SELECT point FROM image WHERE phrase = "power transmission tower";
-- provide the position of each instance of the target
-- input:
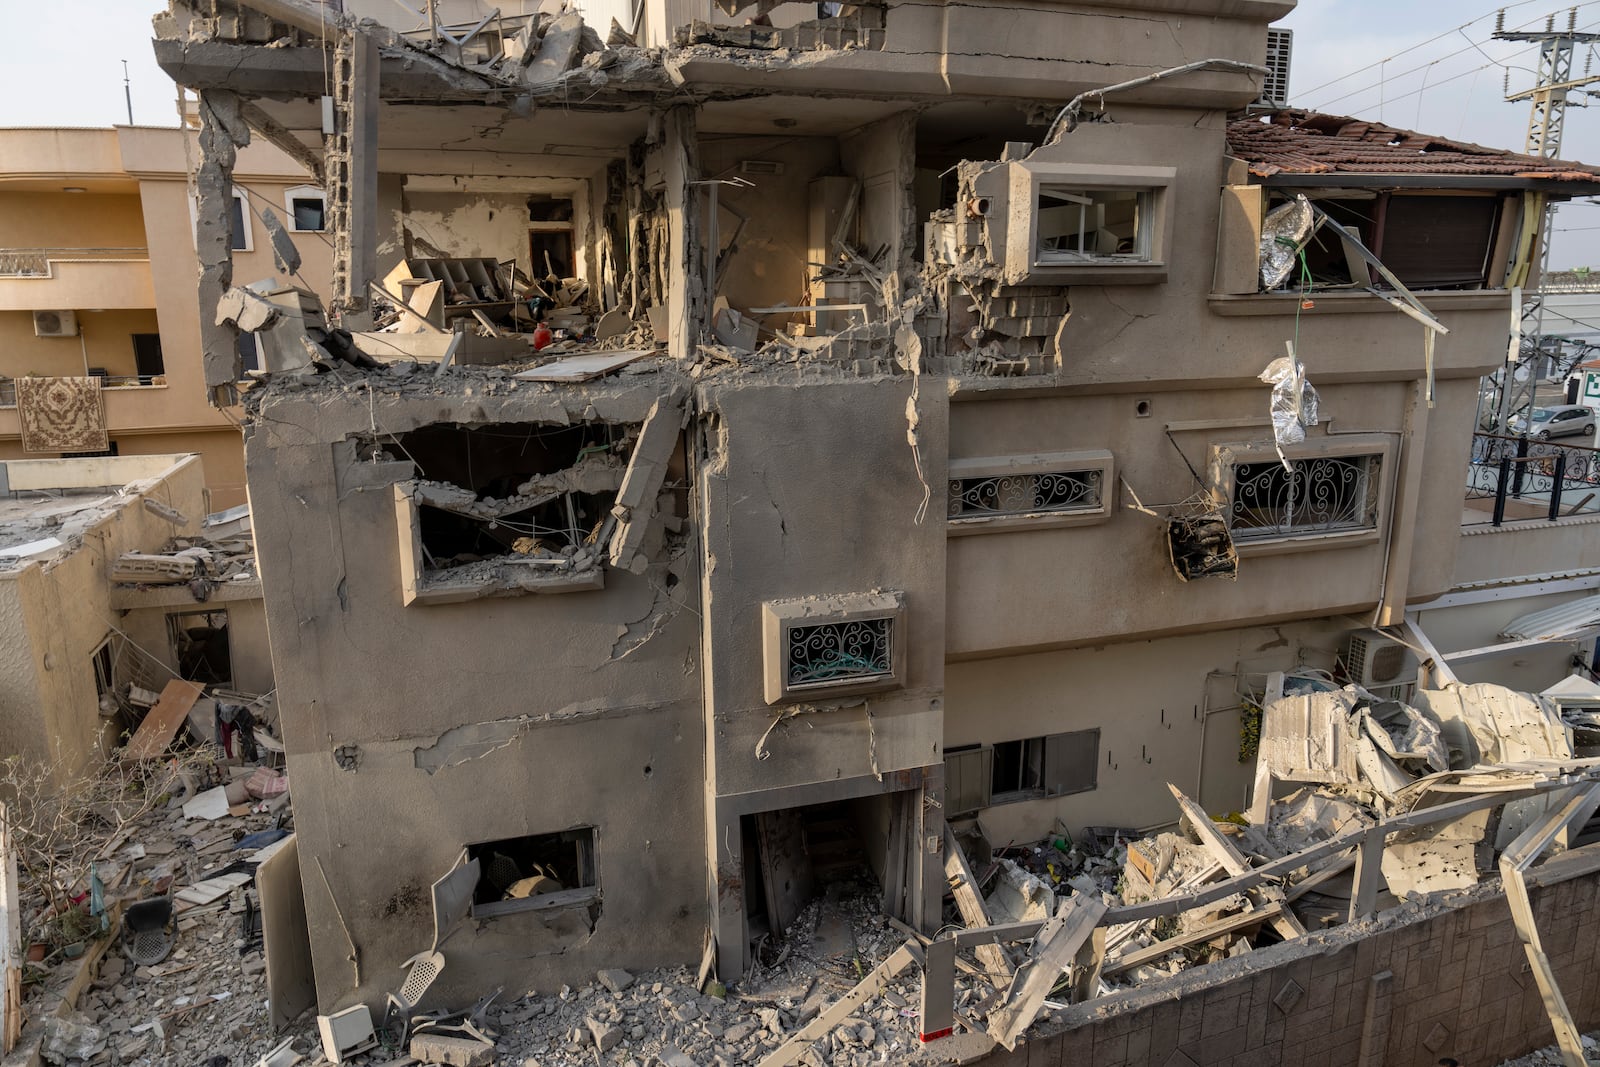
(1547, 114)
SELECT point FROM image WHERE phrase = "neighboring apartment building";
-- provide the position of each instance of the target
(915, 558)
(73, 639)
(96, 280)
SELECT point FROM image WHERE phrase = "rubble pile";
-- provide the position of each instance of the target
(200, 563)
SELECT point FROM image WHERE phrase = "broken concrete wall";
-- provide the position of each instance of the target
(1419, 984)
(470, 722)
(54, 615)
(838, 518)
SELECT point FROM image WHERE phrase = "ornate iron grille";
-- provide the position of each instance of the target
(1024, 494)
(1321, 495)
(838, 651)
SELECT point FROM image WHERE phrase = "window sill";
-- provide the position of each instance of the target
(1306, 542)
(1355, 302)
(1037, 520)
(564, 900)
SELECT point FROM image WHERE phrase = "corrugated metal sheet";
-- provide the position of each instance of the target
(1577, 618)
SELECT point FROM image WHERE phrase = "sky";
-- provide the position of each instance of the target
(1416, 64)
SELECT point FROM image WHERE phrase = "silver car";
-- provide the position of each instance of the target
(1563, 420)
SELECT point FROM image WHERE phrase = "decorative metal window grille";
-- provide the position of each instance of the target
(1322, 495)
(1023, 494)
(840, 651)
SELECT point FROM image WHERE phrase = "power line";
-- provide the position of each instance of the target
(1423, 44)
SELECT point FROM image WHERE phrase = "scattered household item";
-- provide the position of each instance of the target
(148, 931)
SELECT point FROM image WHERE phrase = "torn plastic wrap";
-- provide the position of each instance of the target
(1283, 231)
(1294, 402)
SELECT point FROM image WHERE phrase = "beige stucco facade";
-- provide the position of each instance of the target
(656, 701)
(99, 222)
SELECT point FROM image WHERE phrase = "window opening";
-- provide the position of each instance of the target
(249, 354)
(308, 213)
(522, 489)
(199, 642)
(1051, 766)
(834, 652)
(239, 223)
(104, 677)
(147, 357)
(1023, 494)
(1075, 224)
(1327, 494)
(536, 872)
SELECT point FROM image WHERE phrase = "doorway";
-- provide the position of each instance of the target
(199, 642)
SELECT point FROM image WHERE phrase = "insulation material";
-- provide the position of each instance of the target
(62, 415)
(1294, 402)
(1283, 232)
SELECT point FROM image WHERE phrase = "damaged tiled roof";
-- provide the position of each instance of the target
(1305, 142)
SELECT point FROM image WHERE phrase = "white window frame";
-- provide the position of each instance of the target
(1026, 263)
(1227, 458)
(975, 770)
(304, 192)
(1097, 462)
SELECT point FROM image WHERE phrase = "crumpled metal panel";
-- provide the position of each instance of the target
(1578, 618)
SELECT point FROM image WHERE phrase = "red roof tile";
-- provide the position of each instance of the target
(1305, 142)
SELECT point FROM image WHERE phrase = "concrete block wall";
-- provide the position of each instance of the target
(1448, 978)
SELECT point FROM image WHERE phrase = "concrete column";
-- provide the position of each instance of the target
(353, 178)
(725, 842)
(222, 132)
(925, 882)
(684, 296)
(1402, 520)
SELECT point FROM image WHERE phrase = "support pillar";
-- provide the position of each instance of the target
(222, 133)
(353, 178)
(685, 294)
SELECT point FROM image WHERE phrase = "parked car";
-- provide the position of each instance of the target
(1563, 420)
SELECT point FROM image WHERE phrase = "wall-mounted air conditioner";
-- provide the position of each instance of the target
(1375, 659)
(55, 324)
(1275, 90)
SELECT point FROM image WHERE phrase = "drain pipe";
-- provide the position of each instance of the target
(1066, 119)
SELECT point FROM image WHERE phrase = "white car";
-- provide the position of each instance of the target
(1563, 420)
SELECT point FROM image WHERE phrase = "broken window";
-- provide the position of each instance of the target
(1326, 494)
(1078, 225)
(308, 209)
(507, 508)
(200, 646)
(536, 873)
(104, 676)
(842, 644)
(1032, 768)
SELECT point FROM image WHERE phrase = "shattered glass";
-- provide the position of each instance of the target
(1283, 231)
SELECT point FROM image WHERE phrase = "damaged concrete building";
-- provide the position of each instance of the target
(674, 619)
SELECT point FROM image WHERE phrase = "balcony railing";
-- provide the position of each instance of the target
(1533, 478)
(8, 386)
(36, 262)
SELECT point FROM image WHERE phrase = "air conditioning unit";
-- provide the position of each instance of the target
(1374, 659)
(55, 324)
(1275, 90)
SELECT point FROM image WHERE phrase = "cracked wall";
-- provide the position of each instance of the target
(476, 721)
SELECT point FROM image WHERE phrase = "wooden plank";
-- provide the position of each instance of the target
(581, 368)
(876, 980)
(1232, 924)
(161, 722)
(1232, 859)
(89, 965)
(10, 941)
(994, 958)
(1054, 948)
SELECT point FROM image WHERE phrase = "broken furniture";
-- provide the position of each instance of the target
(148, 931)
(347, 1033)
